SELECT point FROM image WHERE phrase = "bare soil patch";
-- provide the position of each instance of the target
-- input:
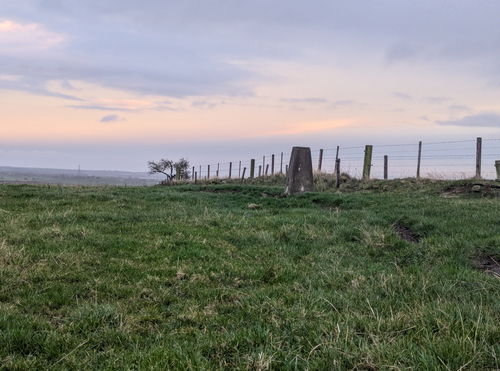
(406, 233)
(482, 189)
(489, 264)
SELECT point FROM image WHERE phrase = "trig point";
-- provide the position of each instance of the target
(300, 173)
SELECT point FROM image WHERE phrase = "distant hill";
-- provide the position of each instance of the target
(20, 175)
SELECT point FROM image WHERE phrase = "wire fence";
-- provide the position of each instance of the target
(440, 160)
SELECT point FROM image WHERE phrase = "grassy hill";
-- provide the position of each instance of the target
(385, 275)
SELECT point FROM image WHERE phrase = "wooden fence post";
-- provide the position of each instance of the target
(419, 158)
(367, 164)
(386, 167)
(272, 164)
(260, 170)
(337, 173)
(267, 169)
(217, 173)
(192, 174)
(195, 177)
(208, 172)
(252, 168)
(281, 164)
(320, 162)
(336, 158)
(263, 163)
(243, 176)
(478, 157)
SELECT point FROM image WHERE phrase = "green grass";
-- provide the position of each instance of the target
(191, 278)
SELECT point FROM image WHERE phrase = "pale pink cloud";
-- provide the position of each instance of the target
(16, 37)
(314, 127)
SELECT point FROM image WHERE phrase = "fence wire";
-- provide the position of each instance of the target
(440, 160)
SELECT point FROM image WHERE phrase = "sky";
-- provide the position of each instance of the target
(111, 84)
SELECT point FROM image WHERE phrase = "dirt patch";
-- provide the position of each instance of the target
(481, 189)
(488, 264)
(406, 233)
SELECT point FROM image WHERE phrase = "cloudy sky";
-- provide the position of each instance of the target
(110, 84)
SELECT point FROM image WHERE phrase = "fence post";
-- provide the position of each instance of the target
(217, 173)
(337, 173)
(419, 158)
(260, 170)
(367, 164)
(263, 163)
(208, 172)
(320, 162)
(272, 164)
(252, 168)
(386, 167)
(286, 170)
(336, 158)
(478, 157)
(267, 169)
(192, 173)
(243, 176)
(230, 169)
(281, 164)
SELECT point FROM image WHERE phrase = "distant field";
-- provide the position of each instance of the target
(16, 175)
(387, 275)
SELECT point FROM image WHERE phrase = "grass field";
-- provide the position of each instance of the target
(192, 278)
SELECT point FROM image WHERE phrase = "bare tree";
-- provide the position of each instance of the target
(182, 169)
(167, 167)
(163, 166)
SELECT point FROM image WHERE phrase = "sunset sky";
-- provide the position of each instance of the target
(111, 84)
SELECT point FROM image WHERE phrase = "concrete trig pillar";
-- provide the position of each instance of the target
(300, 172)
